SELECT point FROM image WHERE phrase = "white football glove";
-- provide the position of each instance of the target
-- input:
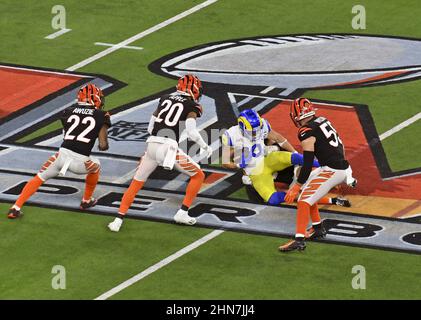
(246, 180)
(207, 151)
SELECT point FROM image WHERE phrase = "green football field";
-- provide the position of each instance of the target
(233, 265)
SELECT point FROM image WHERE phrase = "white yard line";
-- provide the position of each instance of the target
(141, 35)
(400, 126)
(159, 265)
(104, 44)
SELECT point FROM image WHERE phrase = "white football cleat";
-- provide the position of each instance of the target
(115, 225)
(183, 217)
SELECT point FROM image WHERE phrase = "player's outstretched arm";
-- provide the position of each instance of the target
(103, 138)
(280, 140)
(194, 135)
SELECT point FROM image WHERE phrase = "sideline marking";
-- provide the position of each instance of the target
(112, 45)
(57, 34)
(159, 265)
(140, 35)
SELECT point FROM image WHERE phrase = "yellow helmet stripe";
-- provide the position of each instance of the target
(246, 124)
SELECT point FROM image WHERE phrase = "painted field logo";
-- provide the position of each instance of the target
(300, 61)
(262, 73)
(128, 131)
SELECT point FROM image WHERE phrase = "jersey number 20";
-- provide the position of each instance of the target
(171, 112)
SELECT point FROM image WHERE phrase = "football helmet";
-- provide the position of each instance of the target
(250, 124)
(90, 95)
(301, 108)
(190, 85)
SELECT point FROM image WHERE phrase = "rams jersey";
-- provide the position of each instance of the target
(328, 148)
(171, 113)
(247, 153)
(81, 127)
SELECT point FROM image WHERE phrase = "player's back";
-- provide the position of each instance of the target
(81, 126)
(328, 149)
(171, 113)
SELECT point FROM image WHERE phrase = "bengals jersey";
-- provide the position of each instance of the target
(81, 127)
(328, 148)
(172, 111)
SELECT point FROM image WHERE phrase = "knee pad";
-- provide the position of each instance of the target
(277, 198)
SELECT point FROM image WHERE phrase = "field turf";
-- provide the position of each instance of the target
(234, 265)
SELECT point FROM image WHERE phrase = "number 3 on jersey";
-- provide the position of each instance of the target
(171, 113)
(330, 133)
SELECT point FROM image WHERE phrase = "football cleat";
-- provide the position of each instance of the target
(183, 217)
(115, 225)
(342, 202)
(14, 214)
(293, 245)
(88, 204)
(317, 232)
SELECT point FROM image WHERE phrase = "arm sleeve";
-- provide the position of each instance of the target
(193, 134)
(307, 165)
(151, 124)
(297, 159)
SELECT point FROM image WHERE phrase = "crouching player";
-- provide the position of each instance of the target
(82, 123)
(244, 147)
(318, 138)
(162, 147)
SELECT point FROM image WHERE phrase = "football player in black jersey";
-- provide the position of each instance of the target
(82, 123)
(318, 139)
(162, 147)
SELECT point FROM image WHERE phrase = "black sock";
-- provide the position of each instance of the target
(334, 200)
(185, 208)
(299, 238)
(121, 216)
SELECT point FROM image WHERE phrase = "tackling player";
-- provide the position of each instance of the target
(163, 150)
(82, 123)
(318, 138)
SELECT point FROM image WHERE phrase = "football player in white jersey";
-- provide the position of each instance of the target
(244, 147)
